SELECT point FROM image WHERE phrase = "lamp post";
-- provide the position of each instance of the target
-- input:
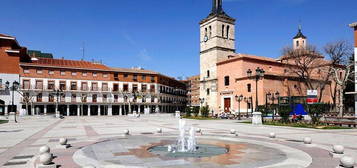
(12, 88)
(273, 97)
(248, 100)
(58, 93)
(202, 100)
(239, 99)
(267, 96)
(259, 74)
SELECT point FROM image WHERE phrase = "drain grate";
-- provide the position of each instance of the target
(293, 140)
(147, 133)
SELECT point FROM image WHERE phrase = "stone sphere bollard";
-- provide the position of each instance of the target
(44, 149)
(88, 166)
(159, 130)
(347, 162)
(338, 149)
(126, 132)
(45, 158)
(198, 130)
(272, 135)
(307, 140)
(63, 141)
(233, 131)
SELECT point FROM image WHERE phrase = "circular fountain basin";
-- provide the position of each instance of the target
(202, 150)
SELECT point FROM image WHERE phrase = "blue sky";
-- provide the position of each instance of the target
(163, 35)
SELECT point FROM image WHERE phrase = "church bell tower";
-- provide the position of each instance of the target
(217, 42)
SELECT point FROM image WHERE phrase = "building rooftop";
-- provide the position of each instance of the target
(133, 70)
(63, 63)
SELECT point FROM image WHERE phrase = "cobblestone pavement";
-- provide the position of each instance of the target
(20, 142)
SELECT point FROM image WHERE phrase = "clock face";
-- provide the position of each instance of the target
(206, 39)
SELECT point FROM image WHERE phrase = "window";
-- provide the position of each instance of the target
(227, 33)
(105, 75)
(210, 32)
(297, 43)
(51, 72)
(39, 97)
(51, 98)
(94, 98)
(116, 98)
(207, 91)
(95, 74)
(74, 73)
(39, 71)
(125, 87)
(84, 73)
(104, 86)
(135, 77)
(63, 73)
(84, 98)
(206, 32)
(143, 88)
(207, 73)
(116, 76)
(94, 86)
(26, 84)
(73, 85)
(226, 81)
(115, 87)
(135, 88)
(74, 98)
(152, 78)
(26, 71)
(222, 30)
(51, 85)
(39, 84)
(62, 85)
(152, 88)
(143, 77)
(126, 75)
(84, 86)
(63, 97)
(249, 87)
(105, 98)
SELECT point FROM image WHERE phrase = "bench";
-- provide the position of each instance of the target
(341, 123)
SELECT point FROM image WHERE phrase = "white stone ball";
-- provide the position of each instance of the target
(339, 149)
(272, 135)
(126, 132)
(233, 131)
(88, 166)
(307, 140)
(63, 141)
(159, 130)
(198, 130)
(347, 161)
(46, 158)
(44, 149)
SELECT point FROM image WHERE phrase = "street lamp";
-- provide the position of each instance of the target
(248, 100)
(239, 99)
(14, 87)
(58, 93)
(259, 74)
(202, 100)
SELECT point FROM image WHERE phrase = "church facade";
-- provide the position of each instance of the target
(225, 85)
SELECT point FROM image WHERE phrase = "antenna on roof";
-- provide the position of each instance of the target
(83, 50)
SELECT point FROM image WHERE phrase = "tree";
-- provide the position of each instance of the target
(204, 111)
(304, 64)
(284, 112)
(342, 67)
(316, 111)
(27, 97)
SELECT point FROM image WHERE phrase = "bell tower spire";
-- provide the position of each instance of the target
(217, 7)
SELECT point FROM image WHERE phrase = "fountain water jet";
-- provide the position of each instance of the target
(186, 142)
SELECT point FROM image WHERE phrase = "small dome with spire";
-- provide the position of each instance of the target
(299, 34)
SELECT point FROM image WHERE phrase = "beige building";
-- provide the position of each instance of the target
(216, 43)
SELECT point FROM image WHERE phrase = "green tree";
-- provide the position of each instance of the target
(188, 111)
(196, 110)
(284, 112)
(204, 111)
(316, 111)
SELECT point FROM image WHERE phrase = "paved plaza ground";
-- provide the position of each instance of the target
(94, 139)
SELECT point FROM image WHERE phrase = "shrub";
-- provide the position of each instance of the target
(316, 111)
(204, 111)
(188, 111)
(284, 112)
(195, 111)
